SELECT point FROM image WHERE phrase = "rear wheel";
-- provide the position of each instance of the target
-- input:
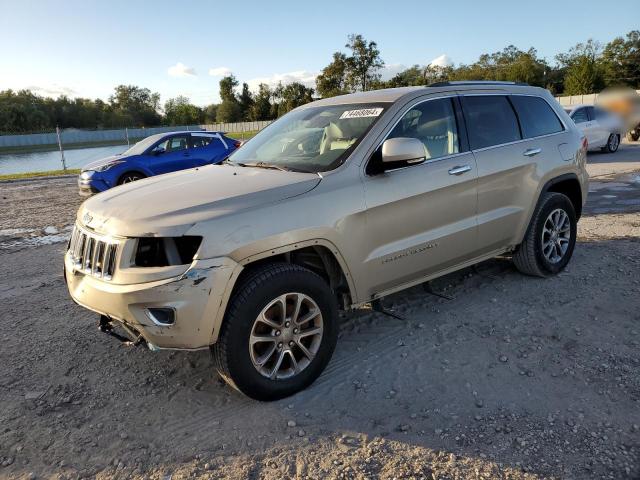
(279, 332)
(612, 143)
(550, 239)
(130, 177)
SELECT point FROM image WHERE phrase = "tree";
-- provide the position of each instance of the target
(139, 105)
(583, 71)
(621, 61)
(210, 112)
(229, 110)
(363, 64)
(290, 96)
(332, 80)
(261, 108)
(179, 111)
(246, 102)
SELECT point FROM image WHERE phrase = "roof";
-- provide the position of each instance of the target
(393, 94)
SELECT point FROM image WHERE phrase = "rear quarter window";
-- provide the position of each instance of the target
(490, 120)
(536, 116)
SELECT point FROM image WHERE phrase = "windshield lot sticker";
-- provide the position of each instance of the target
(362, 113)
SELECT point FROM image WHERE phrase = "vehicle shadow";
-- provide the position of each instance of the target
(506, 373)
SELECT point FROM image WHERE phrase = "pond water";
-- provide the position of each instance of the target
(43, 161)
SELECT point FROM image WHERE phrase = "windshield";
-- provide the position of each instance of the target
(140, 147)
(314, 139)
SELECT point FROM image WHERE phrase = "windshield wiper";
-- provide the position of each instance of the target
(267, 165)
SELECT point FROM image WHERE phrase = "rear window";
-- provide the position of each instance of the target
(536, 116)
(490, 120)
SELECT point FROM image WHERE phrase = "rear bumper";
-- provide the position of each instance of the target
(195, 297)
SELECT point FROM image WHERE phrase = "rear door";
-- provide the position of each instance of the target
(508, 155)
(201, 149)
(421, 219)
(583, 121)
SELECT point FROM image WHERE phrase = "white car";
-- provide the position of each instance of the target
(601, 128)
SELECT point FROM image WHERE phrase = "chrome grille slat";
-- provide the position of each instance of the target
(92, 254)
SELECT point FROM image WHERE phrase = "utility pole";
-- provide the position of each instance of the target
(126, 132)
(64, 163)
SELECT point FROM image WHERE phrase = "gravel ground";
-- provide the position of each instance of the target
(513, 378)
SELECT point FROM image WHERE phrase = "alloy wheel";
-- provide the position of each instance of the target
(286, 336)
(556, 234)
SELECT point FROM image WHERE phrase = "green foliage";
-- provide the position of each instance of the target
(621, 61)
(332, 80)
(357, 72)
(261, 108)
(245, 99)
(290, 96)
(583, 69)
(178, 111)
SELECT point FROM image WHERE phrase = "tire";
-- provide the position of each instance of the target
(531, 256)
(237, 359)
(613, 142)
(130, 177)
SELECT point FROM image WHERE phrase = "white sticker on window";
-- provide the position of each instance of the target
(362, 113)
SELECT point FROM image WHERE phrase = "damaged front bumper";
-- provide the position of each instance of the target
(194, 298)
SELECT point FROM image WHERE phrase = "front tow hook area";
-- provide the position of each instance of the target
(131, 337)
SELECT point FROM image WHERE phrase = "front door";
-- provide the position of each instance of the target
(421, 219)
(171, 154)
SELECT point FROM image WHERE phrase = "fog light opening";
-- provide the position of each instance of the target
(163, 317)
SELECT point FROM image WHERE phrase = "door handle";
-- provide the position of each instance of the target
(531, 152)
(459, 170)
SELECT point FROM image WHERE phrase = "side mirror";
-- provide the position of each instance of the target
(407, 150)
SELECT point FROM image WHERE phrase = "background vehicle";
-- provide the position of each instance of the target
(603, 129)
(335, 205)
(157, 154)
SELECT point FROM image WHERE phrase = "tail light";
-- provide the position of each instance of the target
(585, 144)
(238, 143)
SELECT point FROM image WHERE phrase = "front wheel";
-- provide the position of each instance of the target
(550, 239)
(279, 332)
(130, 177)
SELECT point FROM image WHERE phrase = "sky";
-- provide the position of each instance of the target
(85, 48)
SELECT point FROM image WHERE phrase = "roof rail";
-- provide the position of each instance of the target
(475, 82)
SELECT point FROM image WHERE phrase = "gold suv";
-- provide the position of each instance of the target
(338, 203)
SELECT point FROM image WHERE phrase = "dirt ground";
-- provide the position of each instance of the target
(513, 378)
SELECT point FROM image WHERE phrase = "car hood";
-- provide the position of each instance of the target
(102, 161)
(168, 205)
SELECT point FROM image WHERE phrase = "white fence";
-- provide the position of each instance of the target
(589, 99)
(74, 136)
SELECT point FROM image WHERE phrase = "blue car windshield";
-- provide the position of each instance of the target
(311, 139)
(142, 146)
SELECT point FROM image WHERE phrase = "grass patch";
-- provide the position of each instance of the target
(49, 173)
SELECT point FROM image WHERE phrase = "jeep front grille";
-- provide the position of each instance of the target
(92, 254)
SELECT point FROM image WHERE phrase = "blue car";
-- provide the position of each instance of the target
(157, 154)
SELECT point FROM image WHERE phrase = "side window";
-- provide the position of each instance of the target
(434, 124)
(600, 113)
(173, 144)
(536, 116)
(580, 115)
(591, 113)
(199, 141)
(490, 120)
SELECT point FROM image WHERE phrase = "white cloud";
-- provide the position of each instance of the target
(441, 61)
(53, 90)
(308, 79)
(181, 70)
(220, 72)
